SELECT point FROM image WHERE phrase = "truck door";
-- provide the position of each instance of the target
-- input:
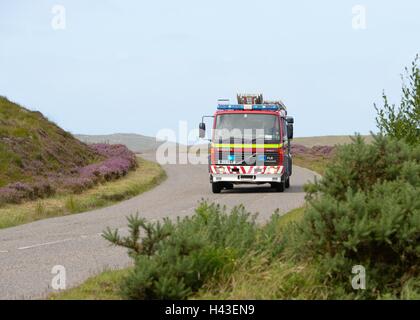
(286, 149)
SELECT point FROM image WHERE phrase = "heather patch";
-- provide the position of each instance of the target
(117, 162)
(315, 151)
(144, 177)
(315, 158)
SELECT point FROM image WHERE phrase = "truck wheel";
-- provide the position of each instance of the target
(279, 187)
(290, 166)
(215, 187)
(287, 183)
(229, 186)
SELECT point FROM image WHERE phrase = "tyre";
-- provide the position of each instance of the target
(229, 186)
(216, 187)
(279, 187)
(290, 166)
(287, 183)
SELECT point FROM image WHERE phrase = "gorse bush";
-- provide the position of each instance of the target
(403, 121)
(174, 259)
(358, 166)
(365, 211)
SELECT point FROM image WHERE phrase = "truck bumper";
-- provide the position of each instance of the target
(245, 178)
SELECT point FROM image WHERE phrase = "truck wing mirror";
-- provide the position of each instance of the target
(290, 122)
(290, 131)
(202, 130)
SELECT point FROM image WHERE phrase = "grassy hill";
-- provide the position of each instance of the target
(135, 142)
(31, 146)
(326, 140)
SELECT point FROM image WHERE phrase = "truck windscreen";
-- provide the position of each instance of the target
(247, 126)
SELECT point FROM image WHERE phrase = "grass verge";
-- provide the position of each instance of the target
(317, 164)
(102, 287)
(259, 278)
(147, 175)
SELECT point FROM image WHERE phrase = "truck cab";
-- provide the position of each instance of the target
(250, 144)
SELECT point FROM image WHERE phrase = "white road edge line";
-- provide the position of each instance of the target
(44, 244)
(4, 251)
(54, 242)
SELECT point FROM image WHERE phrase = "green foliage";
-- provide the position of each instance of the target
(358, 166)
(155, 232)
(403, 122)
(101, 287)
(71, 204)
(366, 211)
(174, 259)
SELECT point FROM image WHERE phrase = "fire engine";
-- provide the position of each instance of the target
(250, 143)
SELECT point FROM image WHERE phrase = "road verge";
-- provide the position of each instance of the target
(146, 176)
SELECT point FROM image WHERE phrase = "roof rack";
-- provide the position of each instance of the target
(277, 102)
(247, 98)
(260, 107)
(252, 101)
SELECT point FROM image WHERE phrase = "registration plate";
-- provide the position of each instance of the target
(225, 162)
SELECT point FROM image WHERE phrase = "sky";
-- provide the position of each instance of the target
(140, 66)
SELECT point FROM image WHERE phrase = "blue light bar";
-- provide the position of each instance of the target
(270, 107)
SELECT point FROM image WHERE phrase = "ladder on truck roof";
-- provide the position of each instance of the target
(246, 98)
(279, 103)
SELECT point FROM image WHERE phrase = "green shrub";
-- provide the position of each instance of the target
(174, 259)
(358, 166)
(366, 211)
(403, 121)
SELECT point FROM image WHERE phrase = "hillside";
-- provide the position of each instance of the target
(31, 146)
(135, 142)
(140, 143)
(326, 140)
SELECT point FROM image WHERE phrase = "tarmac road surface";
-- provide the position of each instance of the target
(29, 252)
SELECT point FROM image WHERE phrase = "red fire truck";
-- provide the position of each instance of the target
(250, 143)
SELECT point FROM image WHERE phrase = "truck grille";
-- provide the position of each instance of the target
(246, 158)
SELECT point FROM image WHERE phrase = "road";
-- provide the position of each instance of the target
(29, 252)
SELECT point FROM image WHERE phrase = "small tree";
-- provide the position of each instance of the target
(403, 121)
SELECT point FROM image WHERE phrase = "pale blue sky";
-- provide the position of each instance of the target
(139, 66)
